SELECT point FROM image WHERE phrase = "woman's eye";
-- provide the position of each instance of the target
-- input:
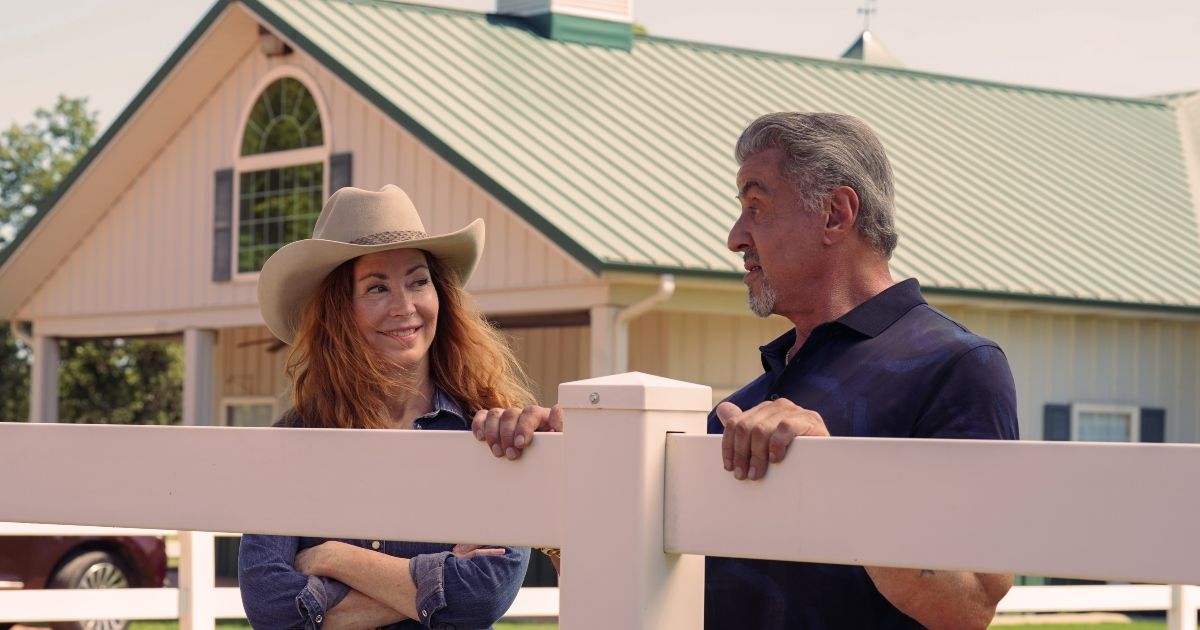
(420, 283)
(376, 288)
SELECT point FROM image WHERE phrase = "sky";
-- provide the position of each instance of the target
(99, 49)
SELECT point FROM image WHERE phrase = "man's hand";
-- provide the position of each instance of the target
(762, 434)
(509, 431)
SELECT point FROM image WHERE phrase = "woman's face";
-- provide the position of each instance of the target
(396, 305)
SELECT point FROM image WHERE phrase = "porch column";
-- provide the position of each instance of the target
(605, 337)
(43, 385)
(198, 351)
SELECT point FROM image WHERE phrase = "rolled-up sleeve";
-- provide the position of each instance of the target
(472, 593)
(274, 594)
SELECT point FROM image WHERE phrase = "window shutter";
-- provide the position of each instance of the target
(340, 169)
(1153, 425)
(223, 225)
(1056, 423)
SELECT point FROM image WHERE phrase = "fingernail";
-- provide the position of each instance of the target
(774, 458)
(728, 464)
(496, 450)
(739, 473)
(520, 441)
(511, 452)
(479, 435)
(753, 473)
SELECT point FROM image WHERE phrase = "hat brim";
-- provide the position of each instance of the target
(293, 273)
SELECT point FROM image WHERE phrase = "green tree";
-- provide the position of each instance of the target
(100, 380)
(35, 159)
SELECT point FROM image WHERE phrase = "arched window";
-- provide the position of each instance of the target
(281, 172)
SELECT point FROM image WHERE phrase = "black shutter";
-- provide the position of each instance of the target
(1056, 423)
(223, 226)
(1154, 425)
(340, 170)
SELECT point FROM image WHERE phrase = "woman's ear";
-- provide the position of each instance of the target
(840, 215)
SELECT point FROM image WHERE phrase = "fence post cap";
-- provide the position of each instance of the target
(635, 390)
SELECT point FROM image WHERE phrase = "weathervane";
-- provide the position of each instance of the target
(867, 10)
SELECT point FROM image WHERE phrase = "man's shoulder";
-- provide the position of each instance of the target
(932, 329)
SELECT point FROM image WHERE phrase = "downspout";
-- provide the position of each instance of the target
(666, 288)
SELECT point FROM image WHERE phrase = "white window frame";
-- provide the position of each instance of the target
(229, 402)
(1134, 413)
(276, 159)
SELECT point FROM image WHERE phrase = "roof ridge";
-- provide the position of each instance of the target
(842, 64)
(859, 66)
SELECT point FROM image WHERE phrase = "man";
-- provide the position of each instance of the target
(867, 357)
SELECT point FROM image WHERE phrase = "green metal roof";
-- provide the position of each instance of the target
(624, 157)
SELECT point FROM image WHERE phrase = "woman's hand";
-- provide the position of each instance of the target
(466, 552)
(509, 431)
(312, 561)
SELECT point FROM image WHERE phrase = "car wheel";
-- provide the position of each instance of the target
(92, 569)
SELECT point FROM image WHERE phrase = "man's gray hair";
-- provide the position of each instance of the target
(823, 151)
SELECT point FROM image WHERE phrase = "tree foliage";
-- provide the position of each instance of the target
(35, 158)
(100, 380)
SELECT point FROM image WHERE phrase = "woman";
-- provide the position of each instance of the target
(380, 328)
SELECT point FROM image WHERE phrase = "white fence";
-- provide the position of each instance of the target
(634, 493)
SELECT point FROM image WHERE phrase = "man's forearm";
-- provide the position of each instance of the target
(358, 612)
(942, 599)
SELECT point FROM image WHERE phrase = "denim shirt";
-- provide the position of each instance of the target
(451, 593)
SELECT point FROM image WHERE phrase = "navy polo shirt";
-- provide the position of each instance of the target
(892, 367)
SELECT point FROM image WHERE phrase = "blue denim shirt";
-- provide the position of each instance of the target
(451, 593)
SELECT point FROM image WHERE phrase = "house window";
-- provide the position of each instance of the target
(249, 412)
(281, 179)
(1104, 423)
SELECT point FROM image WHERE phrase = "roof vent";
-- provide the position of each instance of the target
(868, 50)
(596, 22)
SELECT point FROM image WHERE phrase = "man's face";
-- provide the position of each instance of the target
(778, 237)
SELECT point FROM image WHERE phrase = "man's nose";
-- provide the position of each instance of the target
(739, 238)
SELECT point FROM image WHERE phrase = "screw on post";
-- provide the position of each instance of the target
(594, 398)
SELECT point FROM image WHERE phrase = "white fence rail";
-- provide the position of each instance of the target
(633, 504)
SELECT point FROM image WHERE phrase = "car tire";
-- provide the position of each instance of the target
(92, 569)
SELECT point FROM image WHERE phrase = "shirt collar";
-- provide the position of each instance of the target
(875, 315)
(869, 318)
(444, 404)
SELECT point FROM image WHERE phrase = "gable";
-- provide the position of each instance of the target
(145, 263)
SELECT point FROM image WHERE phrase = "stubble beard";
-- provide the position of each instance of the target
(762, 302)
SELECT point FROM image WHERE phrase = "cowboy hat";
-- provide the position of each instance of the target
(354, 222)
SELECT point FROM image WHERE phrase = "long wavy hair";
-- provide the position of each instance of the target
(340, 381)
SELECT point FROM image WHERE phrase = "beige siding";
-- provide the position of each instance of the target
(250, 363)
(551, 355)
(720, 351)
(1055, 358)
(1091, 359)
(152, 251)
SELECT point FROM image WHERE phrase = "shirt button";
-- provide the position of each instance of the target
(774, 396)
(375, 544)
(424, 614)
(417, 426)
(318, 619)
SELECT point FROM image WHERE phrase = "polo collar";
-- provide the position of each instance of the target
(875, 315)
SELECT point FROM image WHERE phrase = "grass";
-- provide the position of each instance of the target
(231, 624)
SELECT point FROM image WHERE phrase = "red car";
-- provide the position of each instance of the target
(82, 562)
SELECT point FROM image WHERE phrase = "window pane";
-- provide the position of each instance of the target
(1104, 426)
(284, 117)
(276, 206)
(250, 415)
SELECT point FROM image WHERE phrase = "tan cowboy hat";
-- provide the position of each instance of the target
(354, 222)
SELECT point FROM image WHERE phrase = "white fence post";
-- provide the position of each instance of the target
(197, 570)
(1184, 602)
(616, 573)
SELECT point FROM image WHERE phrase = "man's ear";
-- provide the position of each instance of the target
(841, 213)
